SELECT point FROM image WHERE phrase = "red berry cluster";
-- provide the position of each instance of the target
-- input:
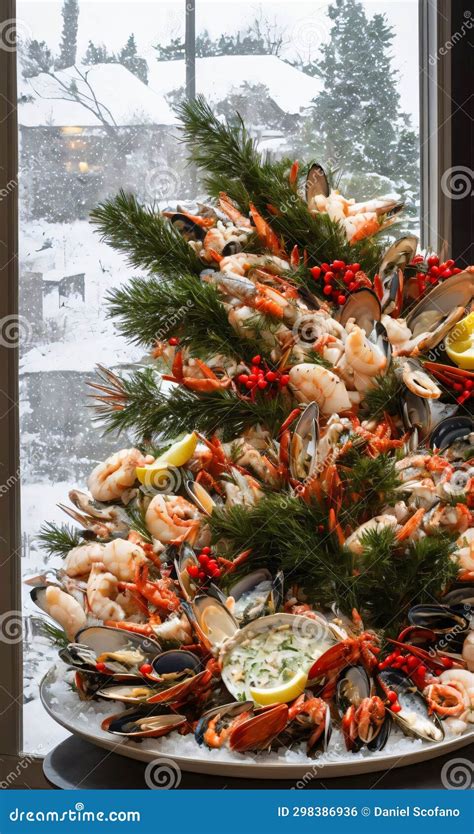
(338, 279)
(411, 665)
(432, 271)
(208, 567)
(260, 377)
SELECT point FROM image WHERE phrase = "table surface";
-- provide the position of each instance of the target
(76, 764)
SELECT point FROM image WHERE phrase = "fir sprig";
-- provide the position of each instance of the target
(137, 522)
(148, 309)
(384, 395)
(58, 539)
(137, 402)
(148, 239)
(56, 636)
(233, 164)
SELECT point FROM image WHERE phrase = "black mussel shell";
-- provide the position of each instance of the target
(438, 618)
(175, 661)
(229, 711)
(106, 639)
(364, 307)
(450, 430)
(232, 248)
(463, 594)
(380, 740)
(130, 723)
(188, 228)
(352, 686)
(412, 703)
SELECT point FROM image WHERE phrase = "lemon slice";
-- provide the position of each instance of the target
(460, 343)
(177, 455)
(280, 694)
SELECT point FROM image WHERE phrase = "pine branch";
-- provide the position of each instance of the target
(137, 522)
(137, 402)
(372, 482)
(148, 309)
(147, 238)
(233, 164)
(58, 540)
(384, 396)
(56, 636)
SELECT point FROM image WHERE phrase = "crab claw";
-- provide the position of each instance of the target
(259, 731)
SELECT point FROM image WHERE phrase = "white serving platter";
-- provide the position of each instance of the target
(83, 718)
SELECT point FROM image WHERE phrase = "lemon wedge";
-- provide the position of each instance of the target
(280, 694)
(460, 343)
(177, 455)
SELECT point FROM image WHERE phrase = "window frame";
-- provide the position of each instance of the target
(438, 123)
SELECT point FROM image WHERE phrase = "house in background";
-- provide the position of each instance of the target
(87, 131)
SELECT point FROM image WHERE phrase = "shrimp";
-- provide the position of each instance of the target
(313, 382)
(109, 480)
(464, 554)
(101, 592)
(80, 559)
(363, 356)
(420, 383)
(463, 681)
(240, 263)
(121, 558)
(468, 651)
(66, 610)
(170, 518)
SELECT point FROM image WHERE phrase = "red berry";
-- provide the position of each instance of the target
(249, 384)
(418, 259)
(243, 378)
(457, 386)
(392, 696)
(202, 575)
(447, 662)
(433, 260)
(468, 384)
(206, 549)
(434, 270)
(173, 341)
(252, 378)
(412, 662)
(450, 263)
(338, 265)
(446, 273)
(256, 359)
(315, 271)
(101, 667)
(352, 286)
(325, 267)
(327, 289)
(395, 707)
(456, 270)
(203, 560)
(341, 299)
(193, 571)
(329, 276)
(146, 669)
(422, 671)
(216, 573)
(271, 376)
(262, 384)
(284, 379)
(355, 268)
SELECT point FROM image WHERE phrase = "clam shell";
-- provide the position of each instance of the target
(363, 306)
(304, 443)
(399, 254)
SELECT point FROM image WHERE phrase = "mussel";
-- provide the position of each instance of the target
(450, 430)
(379, 337)
(316, 183)
(416, 416)
(399, 254)
(136, 723)
(256, 594)
(413, 718)
(189, 229)
(127, 694)
(462, 594)
(185, 558)
(222, 718)
(177, 677)
(441, 619)
(438, 311)
(304, 444)
(353, 689)
(363, 306)
(211, 620)
(119, 653)
(199, 496)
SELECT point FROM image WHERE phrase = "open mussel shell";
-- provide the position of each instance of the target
(127, 694)
(379, 337)
(211, 620)
(122, 652)
(352, 687)
(380, 740)
(227, 713)
(199, 496)
(463, 594)
(442, 307)
(363, 306)
(316, 183)
(78, 656)
(416, 416)
(441, 619)
(187, 227)
(175, 661)
(449, 430)
(304, 443)
(413, 718)
(256, 595)
(185, 558)
(135, 723)
(105, 639)
(232, 247)
(399, 254)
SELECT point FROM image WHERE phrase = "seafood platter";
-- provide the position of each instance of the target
(300, 591)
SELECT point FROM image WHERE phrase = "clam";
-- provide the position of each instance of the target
(450, 430)
(225, 714)
(399, 254)
(438, 311)
(364, 307)
(316, 183)
(413, 718)
(256, 594)
(199, 496)
(212, 621)
(304, 444)
(135, 723)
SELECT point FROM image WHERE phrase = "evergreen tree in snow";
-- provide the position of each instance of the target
(68, 48)
(36, 57)
(129, 58)
(96, 54)
(262, 37)
(356, 124)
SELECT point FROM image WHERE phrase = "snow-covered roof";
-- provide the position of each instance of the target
(289, 88)
(121, 96)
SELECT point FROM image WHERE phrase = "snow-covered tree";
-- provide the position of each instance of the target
(36, 57)
(130, 59)
(357, 123)
(68, 47)
(96, 54)
(262, 37)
